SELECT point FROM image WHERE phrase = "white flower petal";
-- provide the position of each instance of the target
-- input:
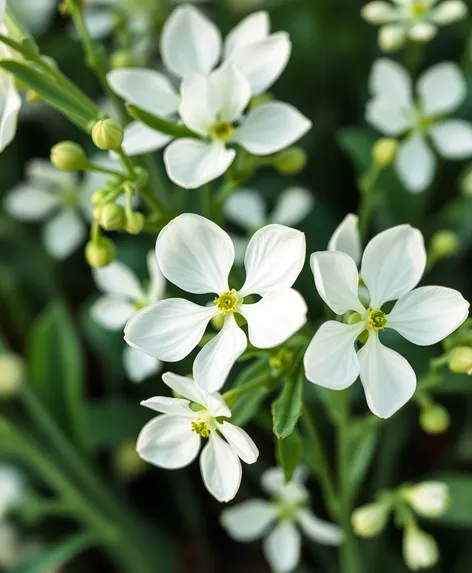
(184, 386)
(274, 258)
(216, 405)
(195, 254)
(415, 163)
(271, 127)
(168, 441)
(157, 285)
(112, 312)
(48, 177)
(428, 314)
(393, 263)
(336, 280)
(117, 278)
(246, 208)
(233, 91)
(388, 116)
(346, 238)
(263, 62)
(275, 318)
(63, 234)
(191, 163)
(189, 42)
(215, 360)
(2, 10)
(448, 12)
(391, 37)
(146, 89)
(422, 32)
(379, 12)
(139, 139)
(442, 88)
(199, 103)
(253, 28)
(273, 481)
(99, 22)
(139, 365)
(388, 380)
(282, 547)
(249, 520)
(29, 202)
(221, 468)
(453, 138)
(169, 329)
(292, 206)
(331, 360)
(9, 114)
(240, 441)
(165, 405)
(390, 81)
(318, 530)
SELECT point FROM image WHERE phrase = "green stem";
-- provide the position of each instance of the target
(232, 396)
(99, 169)
(154, 203)
(367, 187)
(127, 163)
(206, 202)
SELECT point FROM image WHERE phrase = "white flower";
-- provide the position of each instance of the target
(394, 111)
(46, 191)
(123, 297)
(413, 19)
(392, 265)
(420, 549)
(429, 498)
(11, 488)
(254, 519)
(38, 20)
(10, 101)
(196, 255)
(369, 520)
(346, 238)
(2, 10)
(173, 440)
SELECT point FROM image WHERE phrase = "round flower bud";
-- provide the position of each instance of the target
(100, 253)
(444, 244)
(97, 213)
(435, 419)
(127, 461)
(460, 360)
(98, 196)
(68, 156)
(134, 223)
(112, 217)
(429, 498)
(369, 520)
(122, 59)
(107, 134)
(384, 151)
(290, 161)
(11, 374)
(420, 549)
(391, 38)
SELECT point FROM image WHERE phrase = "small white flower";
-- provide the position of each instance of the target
(253, 519)
(173, 440)
(196, 255)
(420, 549)
(413, 19)
(429, 498)
(46, 191)
(392, 265)
(123, 297)
(36, 21)
(369, 520)
(10, 100)
(11, 488)
(394, 111)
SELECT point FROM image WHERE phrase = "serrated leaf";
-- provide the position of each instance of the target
(288, 407)
(289, 454)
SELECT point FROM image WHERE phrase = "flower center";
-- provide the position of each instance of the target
(222, 130)
(201, 428)
(424, 122)
(139, 304)
(376, 319)
(227, 301)
(419, 8)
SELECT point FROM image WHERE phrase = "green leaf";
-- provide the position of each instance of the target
(56, 557)
(362, 443)
(289, 453)
(288, 407)
(452, 383)
(247, 407)
(460, 489)
(56, 369)
(357, 143)
(159, 124)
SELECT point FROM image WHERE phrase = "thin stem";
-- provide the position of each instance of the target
(206, 201)
(153, 202)
(99, 169)
(367, 188)
(225, 191)
(127, 163)
(232, 396)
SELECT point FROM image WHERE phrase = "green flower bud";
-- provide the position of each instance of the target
(68, 156)
(107, 134)
(122, 59)
(11, 374)
(100, 253)
(354, 318)
(460, 360)
(434, 419)
(369, 520)
(420, 549)
(127, 461)
(290, 161)
(112, 217)
(384, 151)
(135, 223)
(98, 196)
(97, 213)
(444, 244)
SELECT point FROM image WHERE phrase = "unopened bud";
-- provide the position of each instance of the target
(134, 223)
(460, 360)
(434, 419)
(290, 161)
(391, 38)
(384, 151)
(420, 549)
(112, 217)
(444, 244)
(354, 318)
(369, 520)
(127, 461)
(11, 374)
(122, 59)
(100, 253)
(107, 134)
(429, 498)
(98, 196)
(68, 156)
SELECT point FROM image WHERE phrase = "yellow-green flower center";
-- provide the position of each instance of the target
(227, 301)
(201, 428)
(139, 304)
(222, 131)
(376, 319)
(419, 8)
(425, 122)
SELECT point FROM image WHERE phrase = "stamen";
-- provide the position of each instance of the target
(227, 301)
(222, 130)
(376, 319)
(419, 8)
(201, 429)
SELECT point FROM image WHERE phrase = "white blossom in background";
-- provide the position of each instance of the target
(420, 549)
(276, 521)
(247, 209)
(392, 265)
(428, 498)
(36, 21)
(11, 488)
(10, 100)
(123, 296)
(196, 255)
(173, 439)
(416, 20)
(395, 111)
(53, 196)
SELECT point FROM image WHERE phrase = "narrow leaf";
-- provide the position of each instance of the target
(289, 453)
(159, 124)
(288, 407)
